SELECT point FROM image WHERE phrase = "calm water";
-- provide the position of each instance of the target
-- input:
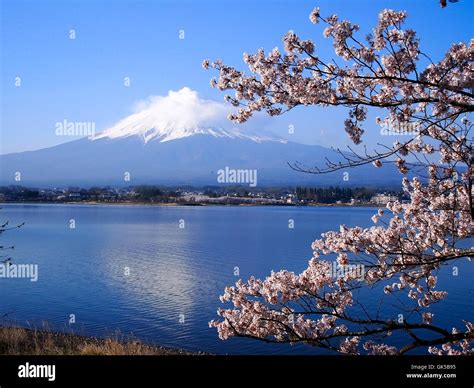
(174, 272)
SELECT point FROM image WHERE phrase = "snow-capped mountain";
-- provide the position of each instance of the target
(179, 139)
(190, 160)
(166, 131)
(178, 115)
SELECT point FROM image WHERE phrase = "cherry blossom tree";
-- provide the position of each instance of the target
(409, 243)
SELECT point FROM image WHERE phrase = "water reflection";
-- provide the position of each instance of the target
(173, 271)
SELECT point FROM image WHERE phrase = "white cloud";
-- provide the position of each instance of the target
(178, 114)
(184, 108)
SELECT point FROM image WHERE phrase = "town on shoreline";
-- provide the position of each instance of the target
(207, 195)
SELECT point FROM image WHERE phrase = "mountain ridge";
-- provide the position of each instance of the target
(179, 138)
(191, 160)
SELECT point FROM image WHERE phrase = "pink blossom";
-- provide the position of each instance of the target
(377, 163)
(314, 16)
(418, 235)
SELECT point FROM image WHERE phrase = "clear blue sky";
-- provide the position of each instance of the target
(82, 79)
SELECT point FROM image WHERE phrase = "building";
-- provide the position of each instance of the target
(383, 199)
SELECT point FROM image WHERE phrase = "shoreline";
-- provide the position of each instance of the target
(16, 340)
(176, 204)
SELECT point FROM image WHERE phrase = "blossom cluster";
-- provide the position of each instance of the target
(410, 241)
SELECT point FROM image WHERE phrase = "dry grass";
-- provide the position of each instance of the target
(20, 341)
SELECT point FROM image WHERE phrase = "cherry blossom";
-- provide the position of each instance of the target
(411, 241)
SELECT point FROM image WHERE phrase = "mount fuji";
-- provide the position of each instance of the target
(178, 139)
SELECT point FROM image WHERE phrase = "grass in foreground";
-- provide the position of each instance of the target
(20, 341)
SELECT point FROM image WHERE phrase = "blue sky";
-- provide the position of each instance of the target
(82, 79)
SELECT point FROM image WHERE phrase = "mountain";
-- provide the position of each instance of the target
(178, 140)
(138, 125)
(189, 160)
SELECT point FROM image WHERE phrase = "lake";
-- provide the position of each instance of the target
(157, 271)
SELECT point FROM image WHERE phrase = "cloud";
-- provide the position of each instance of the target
(178, 114)
(182, 108)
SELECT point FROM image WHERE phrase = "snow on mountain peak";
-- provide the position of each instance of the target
(180, 114)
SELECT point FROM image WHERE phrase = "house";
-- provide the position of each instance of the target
(383, 199)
